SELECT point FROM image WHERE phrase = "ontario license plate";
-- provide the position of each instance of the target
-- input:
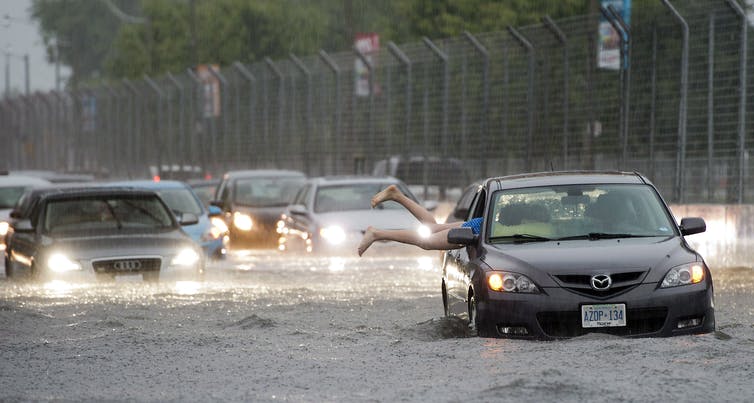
(604, 315)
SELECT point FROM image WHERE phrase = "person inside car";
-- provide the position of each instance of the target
(438, 237)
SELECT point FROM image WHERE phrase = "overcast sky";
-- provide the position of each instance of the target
(20, 36)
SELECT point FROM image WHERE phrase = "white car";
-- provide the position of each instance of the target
(330, 214)
(12, 186)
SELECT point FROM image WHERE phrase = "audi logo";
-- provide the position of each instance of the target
(601, 282)
(127, 265)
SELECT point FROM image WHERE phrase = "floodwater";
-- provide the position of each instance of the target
(266, 327)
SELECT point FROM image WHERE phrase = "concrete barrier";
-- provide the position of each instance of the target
(729, 239)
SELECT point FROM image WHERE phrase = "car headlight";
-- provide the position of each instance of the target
(502, 281)
(217, 227)
(690, 273)
(59, 263)
(186, 257)
(3, 228)
(333, 234)
(242, 221)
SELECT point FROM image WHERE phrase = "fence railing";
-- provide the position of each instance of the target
(678, 110)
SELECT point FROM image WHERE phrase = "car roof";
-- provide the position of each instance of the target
(149, 184)
(22, 180)
(564, 178)
(250, 173)
(352, 179)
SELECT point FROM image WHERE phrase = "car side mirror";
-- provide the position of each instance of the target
(217, 203)
(692, 225)
(23, 226)
(214, 211)
(298, 209)
(189, 219)
(462, 236)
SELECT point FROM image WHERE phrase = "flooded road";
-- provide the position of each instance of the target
(265, 327)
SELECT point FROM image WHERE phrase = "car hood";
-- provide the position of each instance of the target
(360, 220)
(85, 247)
(543, 259)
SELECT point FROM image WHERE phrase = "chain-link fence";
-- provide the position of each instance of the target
(678, 110)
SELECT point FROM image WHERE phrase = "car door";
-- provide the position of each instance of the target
(458, 269)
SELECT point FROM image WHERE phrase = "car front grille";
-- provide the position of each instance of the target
(568, 324)
(127, 265)
(581, 283)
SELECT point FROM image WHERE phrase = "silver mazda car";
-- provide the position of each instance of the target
(99, 233)
(562, 254)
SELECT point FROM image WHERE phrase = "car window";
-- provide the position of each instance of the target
(349, 197)
(579, 210)
(9, 196)
(105, 213)
(266, 191)
(204, 192)
(181, 201)
(302, 195)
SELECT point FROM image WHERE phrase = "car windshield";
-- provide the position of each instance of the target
(205, 192)
(350, 197)
(267, 191)
(9, 196)
(181, 201)
(105, 213)
(577, 212)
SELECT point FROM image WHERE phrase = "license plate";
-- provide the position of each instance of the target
(127, 278)
(604, 315)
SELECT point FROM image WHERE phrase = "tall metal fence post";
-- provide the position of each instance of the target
(61, 137)
(622, 29)
(406, 62)
(159, 135)
(309, 119)
(529, 95)
(563, 40)
(653, 104)
(279, 141)
(371, 142)
(445, 90)
(482, 50)
(180, 135)
(197, 133)
(338, 111)
(224, 112)
(252, 83)
(742, 83)
(682, 117)
(710, 104)
(134, 127)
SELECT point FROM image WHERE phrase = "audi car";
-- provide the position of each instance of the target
(99, 233)
(563, 254)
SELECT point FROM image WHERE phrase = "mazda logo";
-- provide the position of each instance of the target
(601, 282)
(127, 265)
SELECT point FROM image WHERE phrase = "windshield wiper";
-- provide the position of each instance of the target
(521, 238)
(602, 235)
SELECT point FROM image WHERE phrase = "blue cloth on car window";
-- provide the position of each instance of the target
(475, 224)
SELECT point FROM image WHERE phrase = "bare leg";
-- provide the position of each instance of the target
(436, 241)
(393, 193)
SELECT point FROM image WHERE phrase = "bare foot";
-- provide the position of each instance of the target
(366, 241)
(388, 193)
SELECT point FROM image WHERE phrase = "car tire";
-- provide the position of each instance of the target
(8, 269)
(474, 320)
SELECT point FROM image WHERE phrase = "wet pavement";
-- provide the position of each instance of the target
(267, 327)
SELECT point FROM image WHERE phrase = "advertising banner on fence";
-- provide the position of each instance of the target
(608, 51)
(369, 46)
(210, 90)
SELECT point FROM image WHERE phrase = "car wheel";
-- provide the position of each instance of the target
(476, 327)
(8, 269)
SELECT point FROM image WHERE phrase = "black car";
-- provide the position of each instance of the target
(252, 201)
(99, 233)
(562, 254)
